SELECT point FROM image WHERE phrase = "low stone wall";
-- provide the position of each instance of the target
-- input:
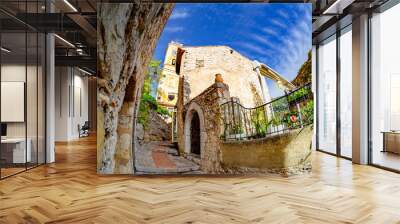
(287, 153)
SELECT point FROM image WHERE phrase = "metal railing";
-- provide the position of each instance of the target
(291, 111)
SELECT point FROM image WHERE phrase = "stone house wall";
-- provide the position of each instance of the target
(200, 64)
(207, 105)
(169, 80)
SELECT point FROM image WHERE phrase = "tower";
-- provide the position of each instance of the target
(168, 86)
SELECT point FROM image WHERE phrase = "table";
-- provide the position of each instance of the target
(13, 150)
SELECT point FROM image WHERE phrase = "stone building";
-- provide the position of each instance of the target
(190, 87)
(199, 139)
(167, 89)
(198, 65)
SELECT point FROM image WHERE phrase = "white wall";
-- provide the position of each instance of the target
(71, 94)
(16, 73)
(12, 73)
(33, 126)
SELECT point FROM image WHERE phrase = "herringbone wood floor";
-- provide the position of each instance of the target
(70, 191)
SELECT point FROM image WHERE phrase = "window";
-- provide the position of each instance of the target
(173, 61)
(22, 76)
(346, 92)
(327, 95)
(199, 63)
(171, 97)
(385, 89)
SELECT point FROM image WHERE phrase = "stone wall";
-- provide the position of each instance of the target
(287, 153)
(126, 37)
(200, 64)
(207, 105)
(157, 128)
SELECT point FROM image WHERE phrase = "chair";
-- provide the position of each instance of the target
(84, 130)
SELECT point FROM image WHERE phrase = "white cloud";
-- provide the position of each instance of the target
(279, 23)
(252, 49)
(179, 14)
(262, 40)
(284, 14)
(270, 31)
(296, 44)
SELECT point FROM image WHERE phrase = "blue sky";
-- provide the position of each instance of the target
(278, 35)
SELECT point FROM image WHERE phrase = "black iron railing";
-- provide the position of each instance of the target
(293, 110)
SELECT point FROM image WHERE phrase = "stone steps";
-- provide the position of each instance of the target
(194, 158)
(148, 157)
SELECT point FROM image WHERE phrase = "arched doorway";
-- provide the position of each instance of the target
(195, 134)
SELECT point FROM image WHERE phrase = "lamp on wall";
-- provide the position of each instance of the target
(64, 40)
(70, 5)
(337, 7)
(84, 71)
(5, 50)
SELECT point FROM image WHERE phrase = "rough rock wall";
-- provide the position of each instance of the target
(158, 129)
(126, 37)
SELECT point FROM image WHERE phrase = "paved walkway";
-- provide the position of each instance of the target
(162, 158)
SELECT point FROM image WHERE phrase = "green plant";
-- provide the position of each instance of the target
(298, 94)
(163, 111)
(237, 129)
(273, 122)
(148, 102)
(304, 74)
(259, 122)
(307, 112)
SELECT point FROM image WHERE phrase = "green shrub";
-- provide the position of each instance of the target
(148, 102)
(259, 122)
(163, 111)
(308, 112)
(298, 94)
(237, 129)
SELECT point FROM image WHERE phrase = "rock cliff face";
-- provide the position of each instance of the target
(126, 37)
(157, 129)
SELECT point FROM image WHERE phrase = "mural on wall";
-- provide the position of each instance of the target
(201, 103)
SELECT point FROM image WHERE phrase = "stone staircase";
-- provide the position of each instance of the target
(163, 158)
(193, 157)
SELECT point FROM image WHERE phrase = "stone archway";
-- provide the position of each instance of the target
(195, 135)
